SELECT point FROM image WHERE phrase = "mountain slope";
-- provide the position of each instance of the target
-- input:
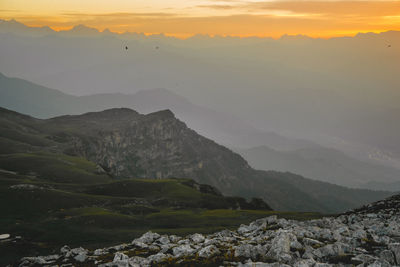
(318, 102)
(45, 203)
(39, 101)
(298, 156)
(157, 145)
(26, 97)
(323, 164)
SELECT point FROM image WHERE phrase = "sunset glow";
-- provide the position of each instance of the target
(213, 17)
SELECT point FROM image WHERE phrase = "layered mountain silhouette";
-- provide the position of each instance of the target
(324, 164)
(42, 102)
(126, 144)
(339, 97)
(277, 152)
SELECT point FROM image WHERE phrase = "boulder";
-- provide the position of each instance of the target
(156, 258)
(4, 236)
(100, 251)
(197, 238)
(280, 246)
(148, 238)
(395, 248)
(164, 240)
(209, 251)
(81, 257)
(121, 260)
(387, 255)
(183, 250)
(243, 251)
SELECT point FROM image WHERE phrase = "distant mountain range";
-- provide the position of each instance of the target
(324, 164)
(42, 102)
(329, 91)
(277, 152)
(127, 144)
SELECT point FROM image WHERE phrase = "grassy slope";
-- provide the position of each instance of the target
(302, 192)
(53, 167)
(283, 191)
(73, 205)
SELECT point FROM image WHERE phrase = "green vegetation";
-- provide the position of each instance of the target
(53, 167)
(52, 199)
(39, 148)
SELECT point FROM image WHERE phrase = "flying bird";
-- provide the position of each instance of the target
(126, 48)
(157, 47)
(388, 44)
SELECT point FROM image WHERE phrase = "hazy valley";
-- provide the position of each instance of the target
(329, 91)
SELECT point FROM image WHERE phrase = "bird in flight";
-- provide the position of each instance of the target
(126, 48)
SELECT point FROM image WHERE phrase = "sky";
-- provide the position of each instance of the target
(184, 18)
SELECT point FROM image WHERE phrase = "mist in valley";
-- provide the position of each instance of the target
(341, 93)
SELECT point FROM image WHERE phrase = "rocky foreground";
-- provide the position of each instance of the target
(369, 236)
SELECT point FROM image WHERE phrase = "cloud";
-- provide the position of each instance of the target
(9, 10)
(120, 14)
(227, 1)
(241, 18)
(218, 7)
(342, 8)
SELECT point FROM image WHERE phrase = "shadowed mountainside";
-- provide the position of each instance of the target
(297, 156)
(26, 97)
(337, 94)
(326, 165)
(157, 145)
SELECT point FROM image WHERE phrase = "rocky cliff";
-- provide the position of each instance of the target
(157, 145)
(125, 144)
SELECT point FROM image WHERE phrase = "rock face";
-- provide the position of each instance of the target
(126, 144)
(369, 236)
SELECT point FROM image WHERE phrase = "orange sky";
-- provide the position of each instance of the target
(183, 18)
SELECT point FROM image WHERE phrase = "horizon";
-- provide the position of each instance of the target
(321, 19)
(107, 30)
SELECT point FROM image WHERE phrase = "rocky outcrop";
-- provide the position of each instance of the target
(357, 238)
(389, 206)
(126, 144)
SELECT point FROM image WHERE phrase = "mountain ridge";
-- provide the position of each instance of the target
(80, 29)
(154, 146)
(206, 72)
(323, 164)
(26, 97)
